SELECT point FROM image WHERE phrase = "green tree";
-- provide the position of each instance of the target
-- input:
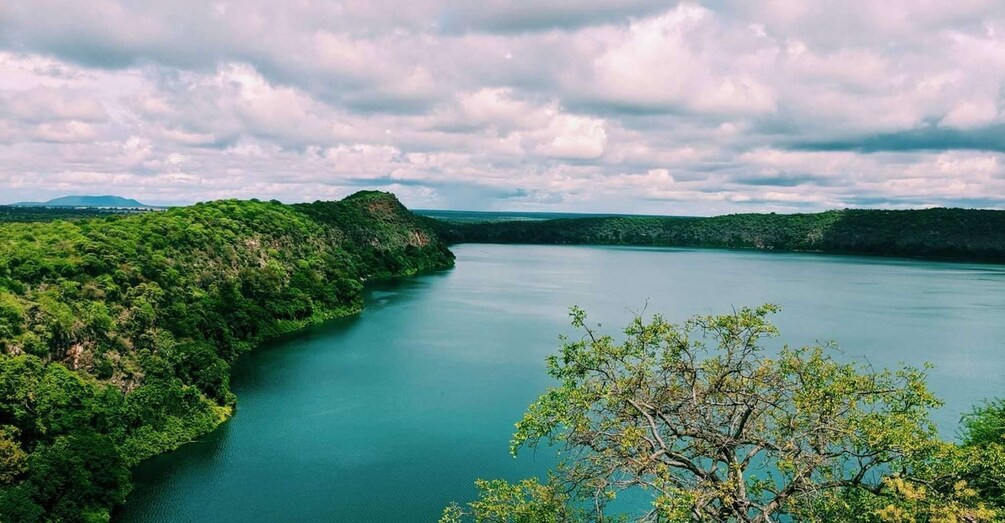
(117, 333)
(78, 477)
(985, 424)
(528, 501)
(713, 426)
(13, 459)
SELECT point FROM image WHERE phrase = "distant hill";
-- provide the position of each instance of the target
(85, 201)
(507, 216)
(943, 234)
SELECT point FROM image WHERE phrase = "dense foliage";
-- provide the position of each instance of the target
(117, 333)
(958, 234)
(10, 213)
(708, 425)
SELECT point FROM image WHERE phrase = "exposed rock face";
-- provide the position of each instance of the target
(419, 239)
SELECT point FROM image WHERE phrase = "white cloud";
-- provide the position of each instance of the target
(582, 105)
(672, 61)
(67, 131)
(496, 107)
(969, 114)
(573, 137)
(43, 104)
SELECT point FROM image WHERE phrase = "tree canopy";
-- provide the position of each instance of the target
(117, 332)
(711, 424)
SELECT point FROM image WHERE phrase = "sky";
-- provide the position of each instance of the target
(635, 106)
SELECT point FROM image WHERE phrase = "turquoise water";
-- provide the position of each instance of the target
(390, 415)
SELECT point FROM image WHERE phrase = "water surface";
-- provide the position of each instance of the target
(388, 416)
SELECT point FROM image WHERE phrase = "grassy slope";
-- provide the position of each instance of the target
(117, 333)
(953, 234)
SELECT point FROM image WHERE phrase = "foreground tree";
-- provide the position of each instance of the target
(712, 426)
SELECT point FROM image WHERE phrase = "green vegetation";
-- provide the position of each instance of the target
(710, 426)
(10, 213)
(952, 234)
(117, 333)
(494, 216)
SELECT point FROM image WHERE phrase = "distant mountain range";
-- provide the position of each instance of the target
(86, 201)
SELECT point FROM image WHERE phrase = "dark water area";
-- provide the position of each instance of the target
(390, 415)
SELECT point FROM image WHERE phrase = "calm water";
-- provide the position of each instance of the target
(388, 416)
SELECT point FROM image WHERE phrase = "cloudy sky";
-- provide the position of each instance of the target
(569, 105)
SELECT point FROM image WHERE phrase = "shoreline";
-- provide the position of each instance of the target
(226, 412)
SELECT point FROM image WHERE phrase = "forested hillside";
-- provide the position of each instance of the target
(953, 234)
(117, 333)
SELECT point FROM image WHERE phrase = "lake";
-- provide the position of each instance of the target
(390, 415)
